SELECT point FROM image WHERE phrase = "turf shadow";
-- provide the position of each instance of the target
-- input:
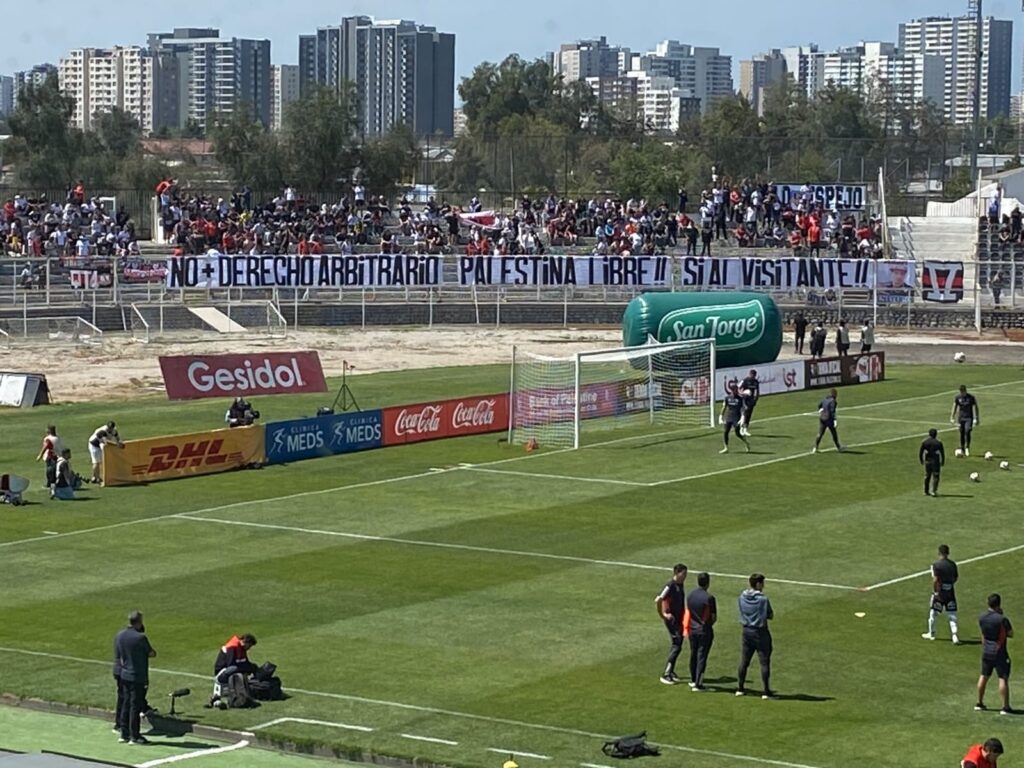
(802, 697)
(169, 726)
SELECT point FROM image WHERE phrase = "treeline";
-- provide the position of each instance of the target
(530, 132)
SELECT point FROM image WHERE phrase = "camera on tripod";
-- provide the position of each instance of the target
(241, 413)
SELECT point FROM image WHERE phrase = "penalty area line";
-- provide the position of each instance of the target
(486, 550)
(919, 574)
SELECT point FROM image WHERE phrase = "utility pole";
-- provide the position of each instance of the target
(974, 6)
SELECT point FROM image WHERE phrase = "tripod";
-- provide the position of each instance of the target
(345, 396)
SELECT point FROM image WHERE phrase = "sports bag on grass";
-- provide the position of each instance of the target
(630, 746)
(238, 695)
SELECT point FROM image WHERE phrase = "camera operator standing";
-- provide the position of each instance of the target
(241, 413)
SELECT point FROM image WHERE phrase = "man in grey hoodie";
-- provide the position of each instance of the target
(755, 613)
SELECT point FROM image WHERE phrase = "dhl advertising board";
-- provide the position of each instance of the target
(176, 456)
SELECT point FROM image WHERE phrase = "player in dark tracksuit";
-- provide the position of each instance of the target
(933, 456)
(966, 413)
(755, 613)
(702, 611)
(670, 603)
(944, 577)
(799, 332)
(827, 420)
(750, 391)
(995, 629)
(731, 416)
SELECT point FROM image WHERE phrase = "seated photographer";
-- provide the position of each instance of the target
(234, 657)
(241, 413)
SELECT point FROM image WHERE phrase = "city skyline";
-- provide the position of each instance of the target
(529, 29)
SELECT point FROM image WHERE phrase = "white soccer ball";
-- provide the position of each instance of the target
(975, 477)
(959, 357)
(989, 455)
(1004, 465)
(959, 453)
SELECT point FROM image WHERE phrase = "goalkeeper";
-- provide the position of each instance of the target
(731, 416)
(750, 391)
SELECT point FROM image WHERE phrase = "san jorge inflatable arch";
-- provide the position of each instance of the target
(746, 327)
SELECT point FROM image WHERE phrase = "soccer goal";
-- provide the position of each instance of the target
(559, 402)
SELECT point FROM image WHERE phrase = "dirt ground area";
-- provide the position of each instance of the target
(118, 366)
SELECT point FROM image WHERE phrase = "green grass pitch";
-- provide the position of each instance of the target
(419, 607)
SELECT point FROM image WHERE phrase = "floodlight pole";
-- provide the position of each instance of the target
(976, 6)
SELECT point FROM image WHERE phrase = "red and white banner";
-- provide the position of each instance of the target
(445, 418)
(90, 279)
(189, 377)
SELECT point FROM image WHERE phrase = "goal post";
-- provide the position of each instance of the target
(559, 402)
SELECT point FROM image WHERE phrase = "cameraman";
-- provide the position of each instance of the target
(241, 413)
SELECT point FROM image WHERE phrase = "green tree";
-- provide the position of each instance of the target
(43, 144)
(320, 133)
(251, 154)
(388, 161)
(118, 132)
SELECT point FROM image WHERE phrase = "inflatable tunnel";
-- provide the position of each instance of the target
(746, 327)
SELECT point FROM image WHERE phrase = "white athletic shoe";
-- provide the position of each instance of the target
(967, 451)
(814, 449)
(724, 450)
(928, 636)
(956, 640)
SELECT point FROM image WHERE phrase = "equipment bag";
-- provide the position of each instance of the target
(266, 690)
(630, 746)
(238, 695)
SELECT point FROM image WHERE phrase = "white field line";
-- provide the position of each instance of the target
(431, 739)
(191, 517)
(307, 721)
(418, 475)
(780, 459)
(918, 574)
(431, 711)
(890, 421)
(594, 765)
(574, 478)
(190, 755)
(534, 755)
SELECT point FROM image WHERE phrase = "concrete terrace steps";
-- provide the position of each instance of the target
(921, 238)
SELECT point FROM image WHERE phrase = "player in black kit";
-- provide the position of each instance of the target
(730, 417)
(933, 456)
(750, 390)
(966, 413)
(944, 578)
(671, 602)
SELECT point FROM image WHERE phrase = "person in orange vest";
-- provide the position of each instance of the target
(234, 657)
(983, 755)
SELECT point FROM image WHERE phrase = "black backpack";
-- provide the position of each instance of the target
(630, 746)
(237, 694)
(264, 685)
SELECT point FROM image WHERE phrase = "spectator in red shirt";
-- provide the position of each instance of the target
(814, 238)
(983, 755)
(742, 237)
(796, 242)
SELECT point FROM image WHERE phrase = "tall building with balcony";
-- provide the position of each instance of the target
(284, 89)
(585, 59)
(103, 79)
(402, 72)
(6, 95)
(955, 39)
(199, 74)
(35, 76)
(699, 72)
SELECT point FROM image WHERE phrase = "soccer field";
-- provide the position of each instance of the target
(462, 600)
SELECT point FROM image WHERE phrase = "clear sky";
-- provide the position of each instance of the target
(43, 30)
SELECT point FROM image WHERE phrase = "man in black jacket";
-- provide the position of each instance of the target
(132, 653)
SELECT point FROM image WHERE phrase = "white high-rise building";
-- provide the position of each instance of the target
(702, 73)
(911, 78)
(954, 39)
(284, 89)
(102, 79)
(588, 58)
(760, 73)
(805, 65)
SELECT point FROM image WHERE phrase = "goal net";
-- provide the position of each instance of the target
(561, 401)
(73, 329)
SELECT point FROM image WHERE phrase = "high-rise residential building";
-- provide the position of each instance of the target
(35, 76)
(6, 95)
(700, 73)
(910, 78)
(403, 72)
(955, 40)
(843, 68)
(199, 74)
(284, 89)
(588, 58)
(804, 64)
(760, 73)
(103, 79)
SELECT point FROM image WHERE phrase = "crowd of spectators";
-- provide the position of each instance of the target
(76, 232)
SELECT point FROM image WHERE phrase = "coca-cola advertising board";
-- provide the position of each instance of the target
(190, 377)
(445, 418)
